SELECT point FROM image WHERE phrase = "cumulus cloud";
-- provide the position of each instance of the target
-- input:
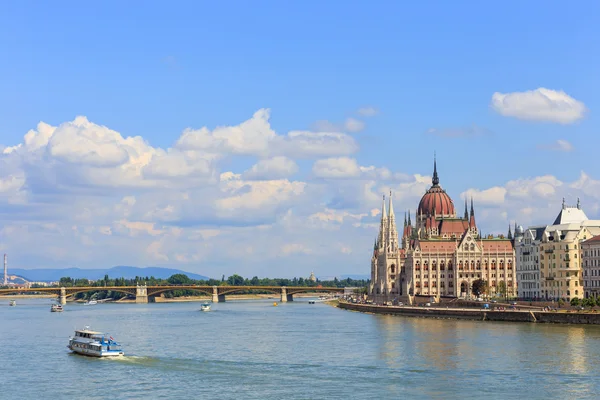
(255, 137)
(87, 195)
(347, 168)
(539, 105)
(559, 145)
(272, 168)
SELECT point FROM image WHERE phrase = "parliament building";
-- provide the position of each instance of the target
(440, 255)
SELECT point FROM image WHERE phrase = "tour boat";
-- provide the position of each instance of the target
(12, 303)
(91, 303)
(56, 308)
(94, 344)
(205, 307)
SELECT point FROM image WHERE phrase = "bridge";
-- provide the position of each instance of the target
(142, 292)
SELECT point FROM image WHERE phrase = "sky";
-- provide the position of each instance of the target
(259, 137)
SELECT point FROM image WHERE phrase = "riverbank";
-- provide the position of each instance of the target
(28, 296)
(555, 317)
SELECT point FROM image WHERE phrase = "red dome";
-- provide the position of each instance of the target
(436, 200)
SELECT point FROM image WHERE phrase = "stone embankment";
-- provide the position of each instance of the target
(479, 314)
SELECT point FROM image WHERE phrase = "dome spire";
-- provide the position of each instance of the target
(435, 180)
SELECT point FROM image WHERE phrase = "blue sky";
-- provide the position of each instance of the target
(152, 69)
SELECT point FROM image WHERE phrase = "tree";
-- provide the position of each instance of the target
(179, 279)
(502, 289)
(575, 302)
(478, 287)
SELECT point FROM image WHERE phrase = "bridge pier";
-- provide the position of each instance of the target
(62, 299)
(141, 294)
(216, 297)
(285, 297)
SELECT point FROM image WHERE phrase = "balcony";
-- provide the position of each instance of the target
(550, 278)
(549, 251)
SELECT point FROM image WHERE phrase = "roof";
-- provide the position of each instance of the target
(570, 215)
(437, 246)
(595, 239)
(457, 226)
(88, 331)
(494, 245)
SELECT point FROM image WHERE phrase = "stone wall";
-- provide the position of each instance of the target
(479, 314)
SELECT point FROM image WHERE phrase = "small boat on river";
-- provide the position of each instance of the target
(94, 344)
(12, 303)
(205, 307)
(56, 308)
(90, 303)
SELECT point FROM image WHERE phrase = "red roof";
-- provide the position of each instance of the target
(592, 240)
(456, 226)
(436, 201)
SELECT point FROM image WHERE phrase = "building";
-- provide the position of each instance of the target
(561, 269)
(591, 266)
(441, 255)
(527, 248)
(312, 277)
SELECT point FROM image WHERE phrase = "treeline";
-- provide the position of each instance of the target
(182, 279)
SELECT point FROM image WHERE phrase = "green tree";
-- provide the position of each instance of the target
(235, 280)
(502, 290)
(478, 287)
(179, 279)
(575, 302)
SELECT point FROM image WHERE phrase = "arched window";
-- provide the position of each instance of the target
(418, 285)
(442, 266)
(460, 265)
(433, 284)
(501, 264)
(472, 247)
(393, 269)
(472, 265)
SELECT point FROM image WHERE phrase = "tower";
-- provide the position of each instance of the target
(392, 231)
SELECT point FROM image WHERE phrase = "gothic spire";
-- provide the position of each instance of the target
(383, 212)
(404, 218)
(391, 206)
(472, 209)
(509, 232)
(435, 180)
(409, 223)
(466, 210)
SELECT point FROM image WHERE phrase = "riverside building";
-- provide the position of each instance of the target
(591, 266)
(527, 247)
(561, 267)
(440, 255)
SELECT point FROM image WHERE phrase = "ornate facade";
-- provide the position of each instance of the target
(441, 255)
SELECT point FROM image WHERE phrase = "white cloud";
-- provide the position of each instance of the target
(346, 168)
(368, 111)
(196, 208)
(255, 137)
(539, 105)
(273, 168)
(559, 145)
(353, 125)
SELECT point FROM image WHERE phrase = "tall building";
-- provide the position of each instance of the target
(441, 255)
(527, 247)
(561, 270)
(591, 266)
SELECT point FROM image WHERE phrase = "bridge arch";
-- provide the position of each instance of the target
(155, 292)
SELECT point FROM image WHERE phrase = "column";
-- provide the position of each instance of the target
(141, 294)
(215, 295)
(63, 296)
(283, 294)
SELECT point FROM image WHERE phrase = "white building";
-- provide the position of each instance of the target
(591, 266)
(561, 267)
(527, 247)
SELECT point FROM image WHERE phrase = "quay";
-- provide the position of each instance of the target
(527, 315)
(143, 294)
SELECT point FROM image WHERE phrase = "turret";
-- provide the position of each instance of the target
(392, 231)
(466, 217)
(383, 226)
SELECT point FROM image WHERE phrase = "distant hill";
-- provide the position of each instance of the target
(48, 275)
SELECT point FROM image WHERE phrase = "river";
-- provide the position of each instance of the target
(253, 350)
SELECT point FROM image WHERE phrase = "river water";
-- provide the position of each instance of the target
(253, 350)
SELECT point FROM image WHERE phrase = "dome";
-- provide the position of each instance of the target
(436, 200)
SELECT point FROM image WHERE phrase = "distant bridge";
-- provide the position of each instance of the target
(142, 293)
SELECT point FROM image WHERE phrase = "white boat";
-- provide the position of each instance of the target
(90, 303)
(205, 307)
(56, 308)
(12, 303)
(94, 344)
